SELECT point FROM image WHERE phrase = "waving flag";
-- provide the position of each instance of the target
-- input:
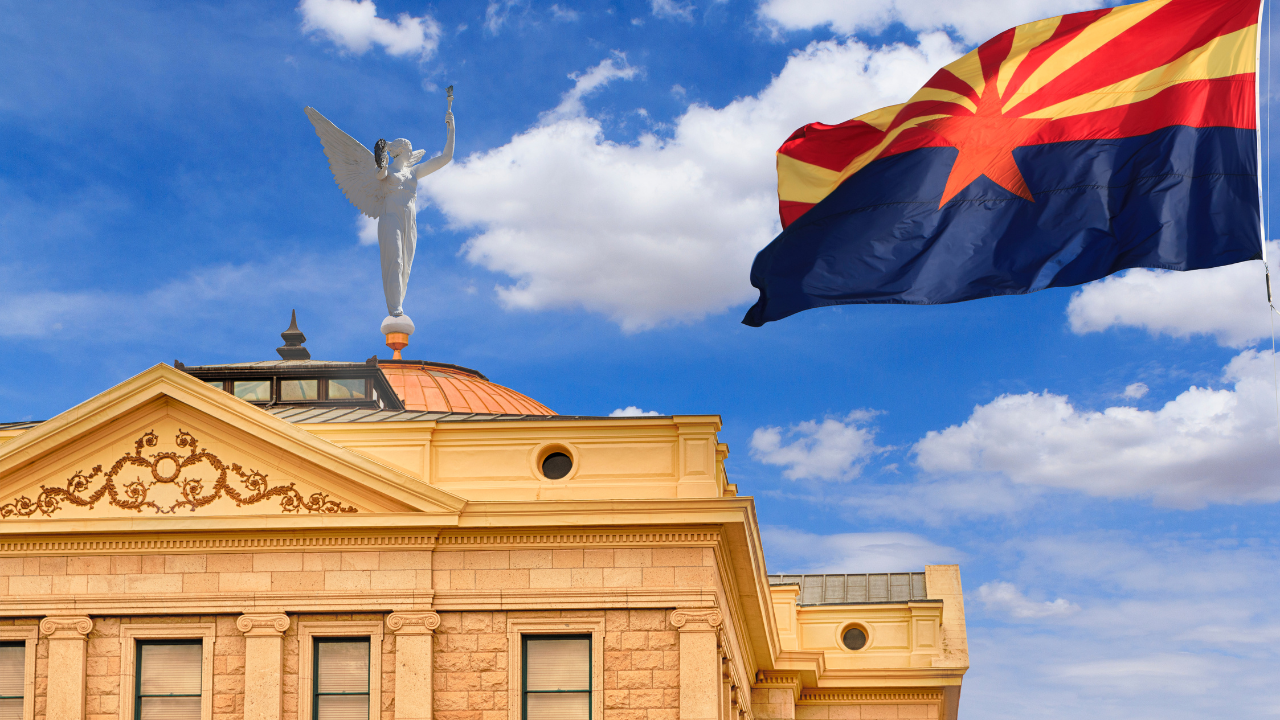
(1054, 154)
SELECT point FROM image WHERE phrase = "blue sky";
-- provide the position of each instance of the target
(1102, 462)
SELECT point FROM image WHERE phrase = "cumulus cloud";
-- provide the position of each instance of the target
(1006, 598)
(1228, 303)
(1203, 446)
(1136, 391)
(355, 26)
(972, 20)
(797, 551)
(633, 411)
(672, 9)
(664, 228)
(833, 449)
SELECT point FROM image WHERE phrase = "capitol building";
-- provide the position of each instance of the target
(408, 540)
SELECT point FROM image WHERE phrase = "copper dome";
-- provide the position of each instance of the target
(437, 387)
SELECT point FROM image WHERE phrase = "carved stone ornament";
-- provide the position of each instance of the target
(413, 623)
(167, 468)
(696, 620)
(268, 625)
(66, 628)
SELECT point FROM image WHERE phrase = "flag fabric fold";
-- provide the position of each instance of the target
(1056, 153)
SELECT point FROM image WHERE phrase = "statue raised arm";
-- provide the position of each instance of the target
(387, 193)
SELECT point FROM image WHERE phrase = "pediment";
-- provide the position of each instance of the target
(164, 444)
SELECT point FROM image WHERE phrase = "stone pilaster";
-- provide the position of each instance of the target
(700, 673)
(414, 637)
(263, 664)
(68, 649)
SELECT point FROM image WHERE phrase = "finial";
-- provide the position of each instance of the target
(397, 329)
(293, 339)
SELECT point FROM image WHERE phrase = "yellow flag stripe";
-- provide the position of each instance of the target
(799, 181)
(969, 69)
(1025, 39)
(937, 94)
(1102, 31)
(1221, 57)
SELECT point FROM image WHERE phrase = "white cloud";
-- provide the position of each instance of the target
(663, 229)
(1005, 597)
(972, 20)
(632, 411)
(1171, 627)
(495, 16)
(797, 551)
(564, 14)
(941, 501)
(672, 9)
(587, 83)
(1136, 391)
(1228, 303)
(355, 26)
(367, 229)
(833, 449)
(1203, 446)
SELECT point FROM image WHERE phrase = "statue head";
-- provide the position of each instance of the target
(399, 147)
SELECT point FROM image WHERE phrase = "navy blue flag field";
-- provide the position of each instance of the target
(1050, 156)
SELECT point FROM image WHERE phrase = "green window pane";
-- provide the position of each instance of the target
(558, 706)
(347, 390)
(170, 669)
(342, 667)
(252, 390)
(12, 670)
(170, 708)
(295, 390)
(558, 664)
(215, 383)
(342, 707)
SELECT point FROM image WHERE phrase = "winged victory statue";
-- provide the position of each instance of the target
(383, 185)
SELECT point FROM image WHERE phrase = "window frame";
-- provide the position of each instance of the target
(137, 675)
(316, 641)
(29, 635)
(519, 627)
(308, 631)
(524, 671)
(131, 634)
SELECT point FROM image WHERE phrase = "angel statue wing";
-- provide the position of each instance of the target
(353, 166)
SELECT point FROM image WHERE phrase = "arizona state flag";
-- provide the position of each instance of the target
(1055, 153)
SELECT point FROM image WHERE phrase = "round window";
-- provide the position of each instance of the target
(556, 465)
(855, 638)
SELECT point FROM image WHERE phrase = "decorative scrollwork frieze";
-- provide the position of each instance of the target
(167, 468)
(411, 623)
(260, 625)
(696, 620)
(70, 627)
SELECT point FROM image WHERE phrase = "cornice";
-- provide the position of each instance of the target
(572, 598)
(175, 544)
(455, 540)
(824, 696)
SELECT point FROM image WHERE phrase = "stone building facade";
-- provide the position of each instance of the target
(442, 522)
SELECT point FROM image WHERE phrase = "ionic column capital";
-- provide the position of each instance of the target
(263, 625)
(696, 620)
(410, 623)
(66, 627)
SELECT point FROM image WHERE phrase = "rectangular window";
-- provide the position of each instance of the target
(252, 390)
(297, 390)
(341, 689)
(557, 677)
(168, 679)
(13, 662)
(351, 389)
(219, 384)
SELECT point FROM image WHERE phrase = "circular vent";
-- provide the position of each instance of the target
(855, 638)
(556, 465)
